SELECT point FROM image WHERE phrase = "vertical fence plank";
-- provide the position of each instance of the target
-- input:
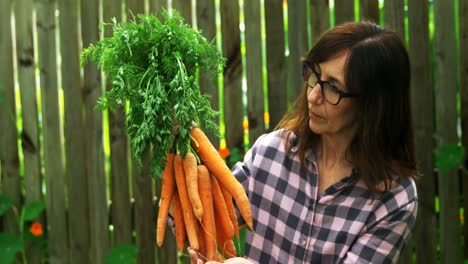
(394, 16)
(369, 10)
(53, 149)
(395, 20)
(121, 216)
(167, 253)
(119, 170)
(463, 16)
(185, 9)
(134, 7)
(446, 125)
(30, 125)
(319, 18)
(156, 7)
(276, 61)
(232, 73)
(145, 216)
(11, 182)
(297, 38)
(422, 109)
(97, 188)
(206, 22)
(254, 72)
(344, 11)
(74, 135)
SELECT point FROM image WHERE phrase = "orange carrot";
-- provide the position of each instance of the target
(216, 165)
(189, 217)
(201, 239)
(190, 169)
(221, 211)
(225, 243)
(180, 231)
(167, 191)
(218, 257)
(231, 211)
(208, 219)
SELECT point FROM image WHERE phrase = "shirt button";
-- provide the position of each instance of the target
(303, 242)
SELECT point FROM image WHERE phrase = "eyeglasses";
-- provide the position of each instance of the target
(330, 92)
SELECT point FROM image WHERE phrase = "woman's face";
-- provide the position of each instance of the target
(324, 118)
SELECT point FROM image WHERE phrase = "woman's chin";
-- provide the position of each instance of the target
(314, 127)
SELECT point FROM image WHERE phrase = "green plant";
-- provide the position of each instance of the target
(448, 157)
(10, 243)
(234, 156)
(123, 254)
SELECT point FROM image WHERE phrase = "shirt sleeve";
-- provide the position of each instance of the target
(385, 240)
(243, 170)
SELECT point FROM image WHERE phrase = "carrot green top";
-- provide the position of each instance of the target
(154, 67)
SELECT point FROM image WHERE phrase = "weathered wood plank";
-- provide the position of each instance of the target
(369, 10)
(74, 133)
(206, 22)
(30, 125)
(156, 7)
(276, 61)
(446, 125)
(406, 256)
(57, 239)
(134, 7)
(145, 216)
(319, 18)
(185, 9)
(119, 170)
(94, 148)
(465, 200)
(9, 159)
(253, 64)
(298, 46)
(463, 20)
(232, 74)
(422, 103)
(394, 16)
(120, 182)
(344, 11)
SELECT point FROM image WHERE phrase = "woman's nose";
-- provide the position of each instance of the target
(314, 94)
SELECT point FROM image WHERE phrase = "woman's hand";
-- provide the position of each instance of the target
(194, 259)
(236, 260)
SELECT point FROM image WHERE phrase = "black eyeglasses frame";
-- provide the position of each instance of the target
(322, 83)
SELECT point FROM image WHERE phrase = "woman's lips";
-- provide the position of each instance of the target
(314, 115)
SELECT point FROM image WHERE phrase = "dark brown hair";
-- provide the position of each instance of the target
(378, 69)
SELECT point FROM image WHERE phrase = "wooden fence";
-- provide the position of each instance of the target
(62, 157)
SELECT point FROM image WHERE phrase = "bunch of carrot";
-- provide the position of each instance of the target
(201, 192)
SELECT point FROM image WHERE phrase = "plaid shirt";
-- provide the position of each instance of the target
(293, 224)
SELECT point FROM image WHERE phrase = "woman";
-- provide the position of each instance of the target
(334, 183)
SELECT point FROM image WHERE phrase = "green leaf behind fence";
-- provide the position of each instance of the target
(5, 203)
(10, 244)
(449, 157)
(124, 254)
(32, 210)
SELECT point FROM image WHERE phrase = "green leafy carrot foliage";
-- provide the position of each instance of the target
(154, 66)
